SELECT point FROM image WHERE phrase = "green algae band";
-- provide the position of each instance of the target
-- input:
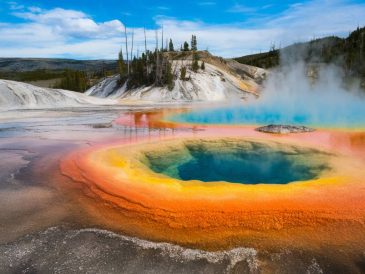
(237, 161)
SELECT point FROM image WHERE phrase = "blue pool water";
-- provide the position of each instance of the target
(352, 116)
(237, 162)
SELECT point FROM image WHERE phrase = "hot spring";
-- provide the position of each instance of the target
(236, 161)
(224, 186)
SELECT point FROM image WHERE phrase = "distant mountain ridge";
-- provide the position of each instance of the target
(349, 53)
(54, 64)
(50, 72)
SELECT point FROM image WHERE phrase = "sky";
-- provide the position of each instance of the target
(94, 29)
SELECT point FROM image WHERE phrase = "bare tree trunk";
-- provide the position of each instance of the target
(362, 46)
(145, 51)
(126, 46)
(160, 73)
(157, 58)
(145, 41)
(132, 44)
(156, 32)
(162, 39)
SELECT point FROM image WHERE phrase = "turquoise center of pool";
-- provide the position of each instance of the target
(237, 162)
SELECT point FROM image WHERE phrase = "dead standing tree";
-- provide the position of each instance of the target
(132, 44)
(162, 39)
(157, 60)
(126, 46)
(145, 52)
(161, 62)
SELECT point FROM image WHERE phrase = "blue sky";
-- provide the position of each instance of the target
(92, 29)
(142, 12)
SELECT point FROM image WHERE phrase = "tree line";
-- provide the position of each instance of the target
(153, 67)
(74, 80)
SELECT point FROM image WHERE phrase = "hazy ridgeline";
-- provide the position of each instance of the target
(296, 92)
(320, 82)
(314, 93)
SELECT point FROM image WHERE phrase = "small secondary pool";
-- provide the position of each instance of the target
(247, 115)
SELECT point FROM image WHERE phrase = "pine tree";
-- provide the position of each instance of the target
(171, 46)
(186, 46)
(203, 66)
(121, 65)
(183, 74)
(194, 43)
(169, 77)
(74, 80)
(195, 64)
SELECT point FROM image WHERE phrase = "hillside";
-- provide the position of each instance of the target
(17, 95)
(220, 80)
(348, 53)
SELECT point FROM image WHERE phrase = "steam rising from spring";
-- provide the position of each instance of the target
(315, 95)
(296, 94)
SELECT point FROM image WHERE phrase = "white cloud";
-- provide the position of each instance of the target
(207, 3)
(15, 6)
(59, 32)
(35, 9)
(300, 22)
(320, 18)
(225, 40)
(241, 9)
(72, 23)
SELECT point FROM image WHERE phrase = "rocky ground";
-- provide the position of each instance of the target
(284, 129)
